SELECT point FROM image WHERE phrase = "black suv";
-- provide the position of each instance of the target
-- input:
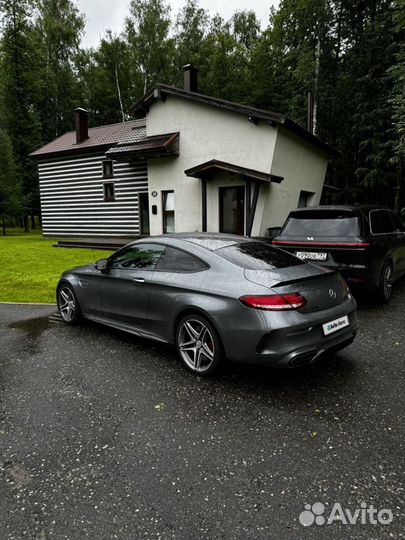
(366, 243)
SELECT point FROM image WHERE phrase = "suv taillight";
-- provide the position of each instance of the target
(274, 302)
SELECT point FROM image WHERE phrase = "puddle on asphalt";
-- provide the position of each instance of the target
(32, 327)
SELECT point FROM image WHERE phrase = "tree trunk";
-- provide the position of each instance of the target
(32, 221)
(26, 225)
(316, 84)
(3, 222)
(397, 203)
(117, 82)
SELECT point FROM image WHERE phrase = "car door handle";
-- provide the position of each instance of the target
(139, 280)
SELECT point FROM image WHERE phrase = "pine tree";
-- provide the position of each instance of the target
(10, 194)
(20, 84)
(190, 32)
(59, 27)
(396, 73)
(151, 47)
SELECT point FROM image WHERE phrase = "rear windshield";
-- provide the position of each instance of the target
(321, 224)
(258, 256)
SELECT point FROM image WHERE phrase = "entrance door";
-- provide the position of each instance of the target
(232, 210)
(144, 213)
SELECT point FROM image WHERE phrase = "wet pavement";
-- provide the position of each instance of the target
(104, 435)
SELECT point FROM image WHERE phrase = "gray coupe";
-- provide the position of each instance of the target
(215, 296)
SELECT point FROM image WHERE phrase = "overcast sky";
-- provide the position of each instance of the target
(110, 14)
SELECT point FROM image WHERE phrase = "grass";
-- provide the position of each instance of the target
(30, 267)
(18, 231)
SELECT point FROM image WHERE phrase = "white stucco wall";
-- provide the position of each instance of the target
(205, 133)
(303, 168)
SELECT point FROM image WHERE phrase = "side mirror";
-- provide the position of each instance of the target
(101, 265)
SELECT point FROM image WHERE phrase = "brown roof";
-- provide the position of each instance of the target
(100, 137)
(161, 91)
(214, 166)
(153, 146)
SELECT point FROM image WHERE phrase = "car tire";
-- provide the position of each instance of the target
(384, 289)
(68, 305)
(198, 345)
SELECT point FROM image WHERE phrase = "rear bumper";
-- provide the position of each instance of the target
(312, 348)
(355, 275)
(286, 339)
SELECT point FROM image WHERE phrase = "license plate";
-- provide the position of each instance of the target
(311, 255)
(334, 326)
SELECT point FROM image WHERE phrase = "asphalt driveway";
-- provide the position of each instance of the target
(103, 435)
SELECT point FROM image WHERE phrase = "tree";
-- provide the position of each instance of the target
(246, 28)
(60, 26)
(227, 74)
(396, 72)
(10, 195)
(294, 58)
(191, 31)
(109, 80)
(147, 33)
(20, 74)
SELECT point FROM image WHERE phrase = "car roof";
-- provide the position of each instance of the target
(208, 241)
(348, 208)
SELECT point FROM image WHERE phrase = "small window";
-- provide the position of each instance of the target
(108, 170)
(305, 199)
(142, 257)
(168, 211)
(381, 222)
(175, 260)
(109, 192)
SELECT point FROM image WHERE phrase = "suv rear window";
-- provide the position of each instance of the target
(321, 223)
(258, 256)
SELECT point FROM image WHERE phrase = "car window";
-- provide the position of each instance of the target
(142, 256)
(381, 222)
(258, 256)
(399, 226)
(176, 260)
(322, 223)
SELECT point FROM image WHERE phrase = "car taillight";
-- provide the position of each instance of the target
(274, 302)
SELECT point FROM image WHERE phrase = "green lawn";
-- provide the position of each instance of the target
(30, 267)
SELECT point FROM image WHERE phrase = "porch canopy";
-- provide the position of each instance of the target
(209, 169)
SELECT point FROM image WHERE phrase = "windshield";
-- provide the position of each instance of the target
(321, 224)
(258, 256)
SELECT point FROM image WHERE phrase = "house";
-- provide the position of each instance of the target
(191, 163)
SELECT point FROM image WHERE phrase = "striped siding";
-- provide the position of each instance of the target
(72, 198)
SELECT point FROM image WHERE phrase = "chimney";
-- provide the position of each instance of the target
(82, 125)
(190, 78)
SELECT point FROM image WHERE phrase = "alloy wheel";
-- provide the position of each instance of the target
(196, 345)
(67, 304)
(388, 282)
